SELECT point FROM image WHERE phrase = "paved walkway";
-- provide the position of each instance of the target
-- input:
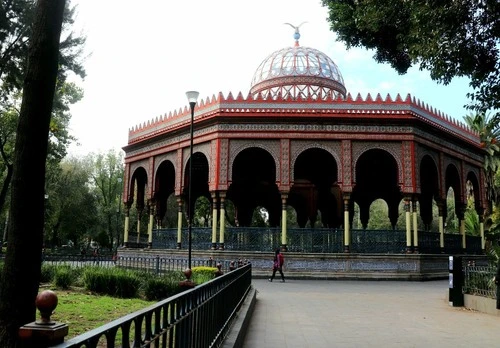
(309, 313)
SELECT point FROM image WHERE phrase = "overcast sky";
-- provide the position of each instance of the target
(144, 55)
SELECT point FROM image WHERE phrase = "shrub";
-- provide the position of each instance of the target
(204, 272)
(112, 281)
(157, 288)
(47, 273)
(64, 276)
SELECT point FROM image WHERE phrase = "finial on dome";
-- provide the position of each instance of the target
(296, 35)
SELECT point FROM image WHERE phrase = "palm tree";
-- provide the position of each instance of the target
(489, 132)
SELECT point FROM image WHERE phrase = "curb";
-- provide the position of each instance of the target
(236, 335)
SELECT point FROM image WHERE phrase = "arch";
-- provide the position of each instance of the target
(377, 177)
(429, 188)
(201, 149)
(359, 149)
(300, 147)
(199, 179)
(315, 188)
(453, 180)
(164, 186)
(271, 147)
(139, 177)
(254, 184)
(472, 177)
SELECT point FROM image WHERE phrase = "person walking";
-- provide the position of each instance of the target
(278, 262)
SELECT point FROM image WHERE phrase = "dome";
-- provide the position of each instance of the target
(298, 72)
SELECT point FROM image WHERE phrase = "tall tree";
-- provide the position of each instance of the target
(489, 133)
(15, 20)
(21, 272)
(448, 38)
(71, 204)
(107, 179)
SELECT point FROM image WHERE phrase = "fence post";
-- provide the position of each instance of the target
(456, 281)
(43, 332)
(157, 265)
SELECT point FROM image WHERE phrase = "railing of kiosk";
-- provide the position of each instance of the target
(317, 240)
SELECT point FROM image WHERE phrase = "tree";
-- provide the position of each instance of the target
(15, 20)
(489, 132)
(106, 176)
(448, 38)
(21, 272)
(71, 204)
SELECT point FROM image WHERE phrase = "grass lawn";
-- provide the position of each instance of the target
(84, 311)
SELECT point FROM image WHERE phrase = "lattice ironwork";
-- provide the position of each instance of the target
(378, 241)
(307, 240)
(315, 240)
(453, 243)
(428, 242)
(252, 238)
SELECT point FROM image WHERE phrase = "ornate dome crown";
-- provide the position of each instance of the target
(298, 72)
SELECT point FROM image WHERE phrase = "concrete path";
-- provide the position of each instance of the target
(321, 313)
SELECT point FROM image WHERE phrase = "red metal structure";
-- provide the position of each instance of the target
(299, 139)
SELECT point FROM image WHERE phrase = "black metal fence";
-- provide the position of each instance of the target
(200, 317)
(152, 264)
(316, 240)
(479, 280)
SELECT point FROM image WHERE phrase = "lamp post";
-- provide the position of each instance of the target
(192, 98)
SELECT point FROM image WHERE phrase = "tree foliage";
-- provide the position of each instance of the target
(448, 38)
(21, 271)
(70, 204)
(15, 30)
(107, 176)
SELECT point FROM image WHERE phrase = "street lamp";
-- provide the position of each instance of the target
(192, 98)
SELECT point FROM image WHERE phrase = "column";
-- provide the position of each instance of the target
(214, 220)
(480, 212)
(461, 221)
(179, 222)
(150, 224)
(408, 224)
(347, 228)
(284, 198)
(126, 225)
(441, 208)
(139, 214)
(415, 225)
(222, 196)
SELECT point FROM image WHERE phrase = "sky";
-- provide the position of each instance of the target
(142, 56)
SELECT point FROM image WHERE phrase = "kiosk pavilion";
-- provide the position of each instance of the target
(298, 139)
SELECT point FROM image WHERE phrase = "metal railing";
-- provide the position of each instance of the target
(152, 264)
(199, 317)
(317, 240)
(478, 280)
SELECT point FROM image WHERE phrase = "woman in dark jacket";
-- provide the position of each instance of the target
(278, 262)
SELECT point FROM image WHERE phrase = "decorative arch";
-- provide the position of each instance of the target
(394, 149)
(421, 153)
(201, 148)
(236, 147)
(300, 147)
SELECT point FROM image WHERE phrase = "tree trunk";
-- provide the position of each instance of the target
(21, 271)
(5, 185)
